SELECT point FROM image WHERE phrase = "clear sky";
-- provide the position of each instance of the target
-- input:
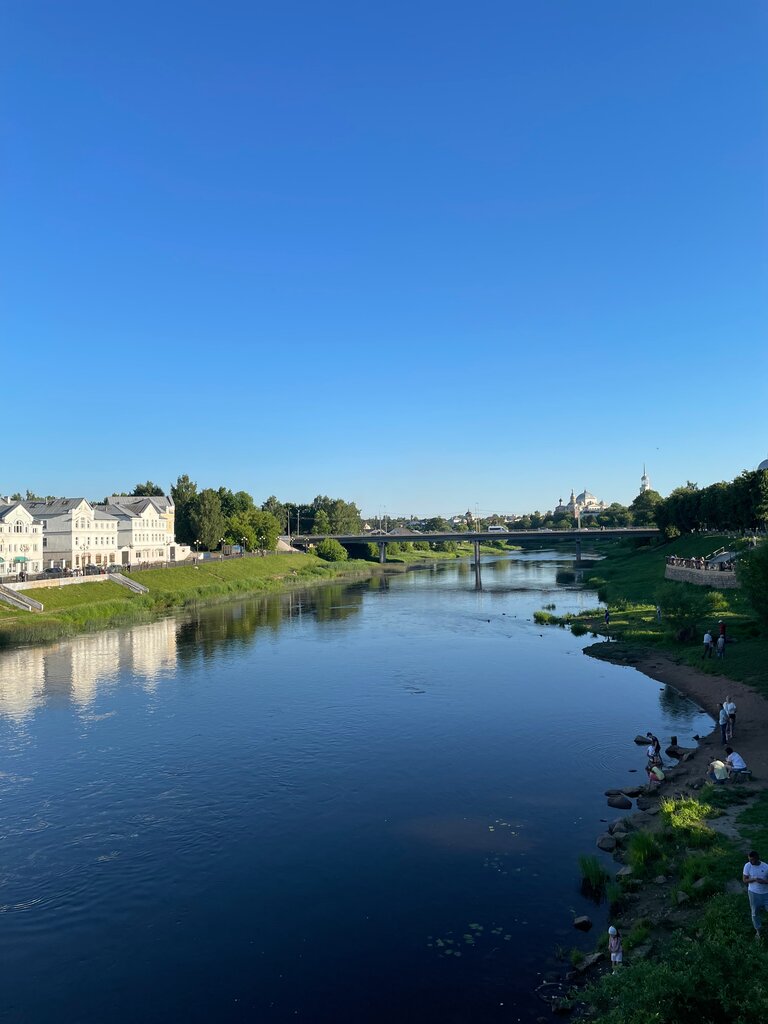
(423, 256)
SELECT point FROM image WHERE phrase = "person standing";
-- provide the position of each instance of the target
(707, 652)
(721, 646)
(607, 618)
(755, 877)
(723, 721)
(730, 707)
(615, 948)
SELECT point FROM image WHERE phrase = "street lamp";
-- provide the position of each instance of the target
(197, 550)
(221, 541)
(243, 546)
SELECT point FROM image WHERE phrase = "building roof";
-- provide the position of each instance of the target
(56, 507)
(162, 502)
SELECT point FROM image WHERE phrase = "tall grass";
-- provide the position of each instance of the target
(594, 877)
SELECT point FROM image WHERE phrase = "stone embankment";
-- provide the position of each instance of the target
(701, 577)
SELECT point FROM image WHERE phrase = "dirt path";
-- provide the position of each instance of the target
(751, 733)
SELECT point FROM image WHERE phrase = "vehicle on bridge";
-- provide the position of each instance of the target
(498, 529)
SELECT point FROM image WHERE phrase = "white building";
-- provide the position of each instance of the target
(75, 533)
(584, 504)
(145, 527)
(21, 540)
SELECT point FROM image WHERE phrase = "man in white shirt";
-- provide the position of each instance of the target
(707, 652)
(755, 878)
(734, 762)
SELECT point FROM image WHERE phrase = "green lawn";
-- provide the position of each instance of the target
(88, 605)
(630, 580)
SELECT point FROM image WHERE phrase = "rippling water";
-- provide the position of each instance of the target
(363, 803)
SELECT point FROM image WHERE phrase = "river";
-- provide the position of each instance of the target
(361, 803)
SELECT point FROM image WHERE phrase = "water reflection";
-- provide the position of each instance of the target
(74, 671)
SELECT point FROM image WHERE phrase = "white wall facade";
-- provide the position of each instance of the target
(75, 534)
(21, 541)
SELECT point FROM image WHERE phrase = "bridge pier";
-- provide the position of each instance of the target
(478, 577)
(382, 552)
(578, 551)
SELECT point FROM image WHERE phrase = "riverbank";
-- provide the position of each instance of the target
(678, 888)
(88, 606)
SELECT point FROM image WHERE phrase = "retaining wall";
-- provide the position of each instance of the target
(701, 577)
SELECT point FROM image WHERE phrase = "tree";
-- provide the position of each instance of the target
(207, 520)
(322, 523)
(278, 510)
(266, 528)
(752, 572)
(344, 516)
(684, 605)
(184, 495)
(643, 508)
(147, 490)
(330, 550)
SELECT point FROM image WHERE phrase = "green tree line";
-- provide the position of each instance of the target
(741, 504)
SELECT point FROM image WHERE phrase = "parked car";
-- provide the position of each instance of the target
(92, 570)
(53, 570)
(114, 567)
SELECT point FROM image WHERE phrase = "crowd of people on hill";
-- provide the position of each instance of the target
(701, 563)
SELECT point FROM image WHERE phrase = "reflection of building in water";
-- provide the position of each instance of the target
(146, 651)
(77, 667)
(22, 677)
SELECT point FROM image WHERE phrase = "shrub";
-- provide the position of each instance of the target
(717, 979)
(752, 572)
(331, 551)
(578, 629)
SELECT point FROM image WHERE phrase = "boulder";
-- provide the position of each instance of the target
(644, 803)
(614, 792)
(682, 897)
(619, 824)
(660, 879)
(699, 883)
(606, 842)
(588, 961)
(583, 923)
(623, 803)
(642, 741)
(632, 791)
(624, 872)
(619, 836)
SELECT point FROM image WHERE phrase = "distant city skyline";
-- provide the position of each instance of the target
(425, 258)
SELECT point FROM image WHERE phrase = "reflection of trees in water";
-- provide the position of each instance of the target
(676, 706)
(225, 625)
(336, 603)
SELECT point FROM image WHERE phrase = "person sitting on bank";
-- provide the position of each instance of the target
(655, 776)
(717, 771)
(735, 762)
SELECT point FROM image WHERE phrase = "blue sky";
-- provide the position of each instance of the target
(423, 256)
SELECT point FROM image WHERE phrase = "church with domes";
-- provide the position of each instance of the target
(584, 504)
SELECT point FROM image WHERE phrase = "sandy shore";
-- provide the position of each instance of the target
(708, 691)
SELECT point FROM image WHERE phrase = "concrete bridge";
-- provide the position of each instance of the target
(481, 537)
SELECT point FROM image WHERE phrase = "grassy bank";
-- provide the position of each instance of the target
(697, 961)
(630, 580)
(89, 605)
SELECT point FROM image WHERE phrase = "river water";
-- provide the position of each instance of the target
(363, 803)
